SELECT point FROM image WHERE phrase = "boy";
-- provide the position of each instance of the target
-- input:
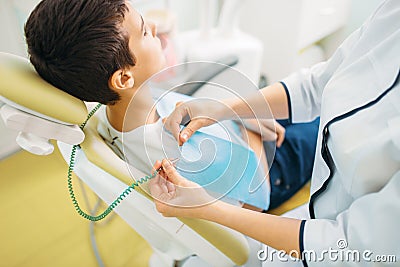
(103, 51)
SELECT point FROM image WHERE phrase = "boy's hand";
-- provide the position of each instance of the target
(280, 132)
(270, 130)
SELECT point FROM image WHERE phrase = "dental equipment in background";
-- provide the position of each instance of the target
(210, 43)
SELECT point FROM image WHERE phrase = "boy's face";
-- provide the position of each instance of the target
(144, 44)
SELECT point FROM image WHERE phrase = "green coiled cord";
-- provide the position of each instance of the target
(115, 202)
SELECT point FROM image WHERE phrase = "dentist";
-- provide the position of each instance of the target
(355, 186)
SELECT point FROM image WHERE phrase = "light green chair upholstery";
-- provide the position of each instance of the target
(107, 175)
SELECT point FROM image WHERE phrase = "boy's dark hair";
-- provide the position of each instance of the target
(76, 45)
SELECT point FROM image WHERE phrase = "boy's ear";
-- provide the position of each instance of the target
(122, 79)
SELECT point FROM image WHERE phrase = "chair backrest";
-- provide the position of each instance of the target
(36, 109)
(20, 83)
(108, 176)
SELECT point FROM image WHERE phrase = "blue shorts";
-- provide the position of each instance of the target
(293, 162)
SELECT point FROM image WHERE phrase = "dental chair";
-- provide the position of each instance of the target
(41, 112)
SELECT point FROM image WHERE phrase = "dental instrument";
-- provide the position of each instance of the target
(173, 162)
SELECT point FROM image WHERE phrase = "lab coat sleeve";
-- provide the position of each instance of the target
(369, 229)
(304, 88)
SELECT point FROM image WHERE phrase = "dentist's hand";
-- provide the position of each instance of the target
(198, 112)
(176, 196)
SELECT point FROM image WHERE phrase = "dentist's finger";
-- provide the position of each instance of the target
(170, 187)
(154, 183)
(156, 166)
(189, 130)
(161, 173)
(173, 121)
(171, 172)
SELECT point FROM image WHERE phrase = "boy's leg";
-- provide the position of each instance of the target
(293, 162)
(255, 142)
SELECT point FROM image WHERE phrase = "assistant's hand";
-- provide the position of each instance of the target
(270, 130)
(175, 196)
(199, 113)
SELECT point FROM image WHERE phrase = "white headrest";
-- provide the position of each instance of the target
(36, 131)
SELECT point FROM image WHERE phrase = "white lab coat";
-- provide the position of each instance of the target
(356, 191)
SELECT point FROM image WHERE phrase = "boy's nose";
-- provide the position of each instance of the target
(153, 28)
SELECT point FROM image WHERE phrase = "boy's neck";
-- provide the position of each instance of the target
(134, 109)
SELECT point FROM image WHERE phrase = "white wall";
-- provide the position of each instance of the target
(360, 10)
(276, 24)
(186, 11)
(13, 14)
(12, 17)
